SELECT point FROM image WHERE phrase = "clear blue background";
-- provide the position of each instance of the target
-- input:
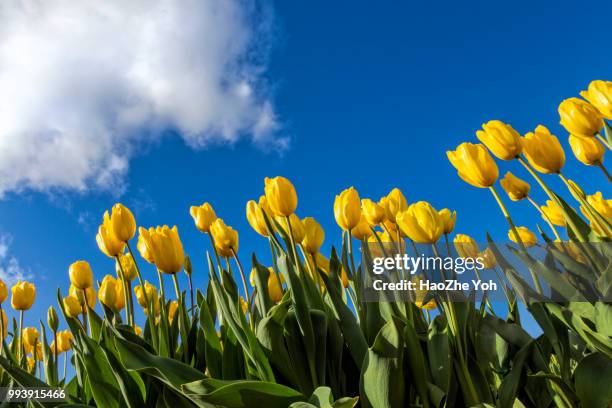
(372, 95)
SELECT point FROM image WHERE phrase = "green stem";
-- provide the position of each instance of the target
(191, 295)
(603, 169)
(294, 247)
(242, 276)
(20, 352)
(603, 141)
(129, 318)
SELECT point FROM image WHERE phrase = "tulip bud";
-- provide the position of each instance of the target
(580, 118)
(82, 296)
(23, 295)
(474, 164)
(488, 258)
(138, 330)
(543, 150)
(244, 306)
(126, 264)
(144, 244)
(203, 216)
(313, 235)
(576, 191)
(393, 203)
(80, 275)
(117, 286)
(224, 237)
(30, 336)
(527, 237)
(167, 249)
(362, 231)
(448, 219)
(64, 341)
(297, 228)
(188, 267)
(599, 94)
(52, 319)
(108, 243)
(466, 246)
(501, 139)
(3, 291)
(421, 223)
(107, 294)
(172, 308)
(553, 213)
(373, 213)
(588, 151)
(72, 306)
(516, 188)
(151, 292)
(281, 196)
(255, 215)
(347, 209)
(124, 224)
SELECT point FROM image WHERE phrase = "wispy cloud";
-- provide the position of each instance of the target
(85, 84)
(10, 269)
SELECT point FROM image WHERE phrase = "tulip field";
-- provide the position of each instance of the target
(298, 333)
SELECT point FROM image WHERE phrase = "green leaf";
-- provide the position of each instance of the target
(592, 378)
(24, 379)
(514, 381)
(212, 346)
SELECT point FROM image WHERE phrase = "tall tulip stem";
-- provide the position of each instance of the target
(603, 169)
(129, 317)
(603, 141)
(242, 276)
(20, 352)
(189, 280)
(293, 245)
(144, 292)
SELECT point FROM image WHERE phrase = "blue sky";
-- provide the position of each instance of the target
(370, 96)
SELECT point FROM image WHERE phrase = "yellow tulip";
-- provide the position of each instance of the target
(599, 94)
(347, 209)
(466, 246)
(144, 244)
(553, 213)
(72, 306)
(167, 249)
(29, 336)
(108, 243)
(23, 295)
(81, 275)
(529, 239)
(488, 258)
(421, 223)
(203, 216)
(243, 305)
(117, 286)
(3, 291)
(138, 330)
(31, 363)
(225, 238)
(428, 306)
(172, 308)
(516, 188)
(323, 263)
(313, 235)
(571, 249)
(543, 150)
(588, 151)
(601, 205)
(151, 292)
(64, 341)
(579, 117)
(474, 164)
(393, 203)
(501, 139)
(373, 212)
(124, 224)
(297, 227)
(448, 219)
(108, 293)
(255, 215)
(281, 196)
(4, 325)
(126, 263)
(89, 295)
(363, 230)
(275, 288)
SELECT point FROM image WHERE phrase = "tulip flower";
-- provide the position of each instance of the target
(466, 246)
(601, 205)
(281, 196)
(428, 306)
(313, 235)
(144, 244)
(580, 118)
(347, 209)
(297, 227)
(599, 94)
(81, 275)
(126, 263)
(88, 294)
(275, 287)
(52, 319)
(421, 223)
(151, 294)
(30, 336)
(588, 151)
(553, 213)
(448, 219)
(108, 243)
(3, 291)
(167, 249)
(172, 308)
(203, 216)
(225, 238)
(543, 150)
(138, 330)
(516, 188)
(527, 237)
(393, 203)
(323, 263)
(23, 295)
(72, 306)
(255, 215)
(117, 286)
(64, 341)
(501, 139)
(488, 258)
(373, 212)
(123, 223)
(108, 293)
(362, 231)
(474, 164)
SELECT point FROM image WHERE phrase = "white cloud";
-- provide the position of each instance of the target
(83, 84)
(10, 269)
